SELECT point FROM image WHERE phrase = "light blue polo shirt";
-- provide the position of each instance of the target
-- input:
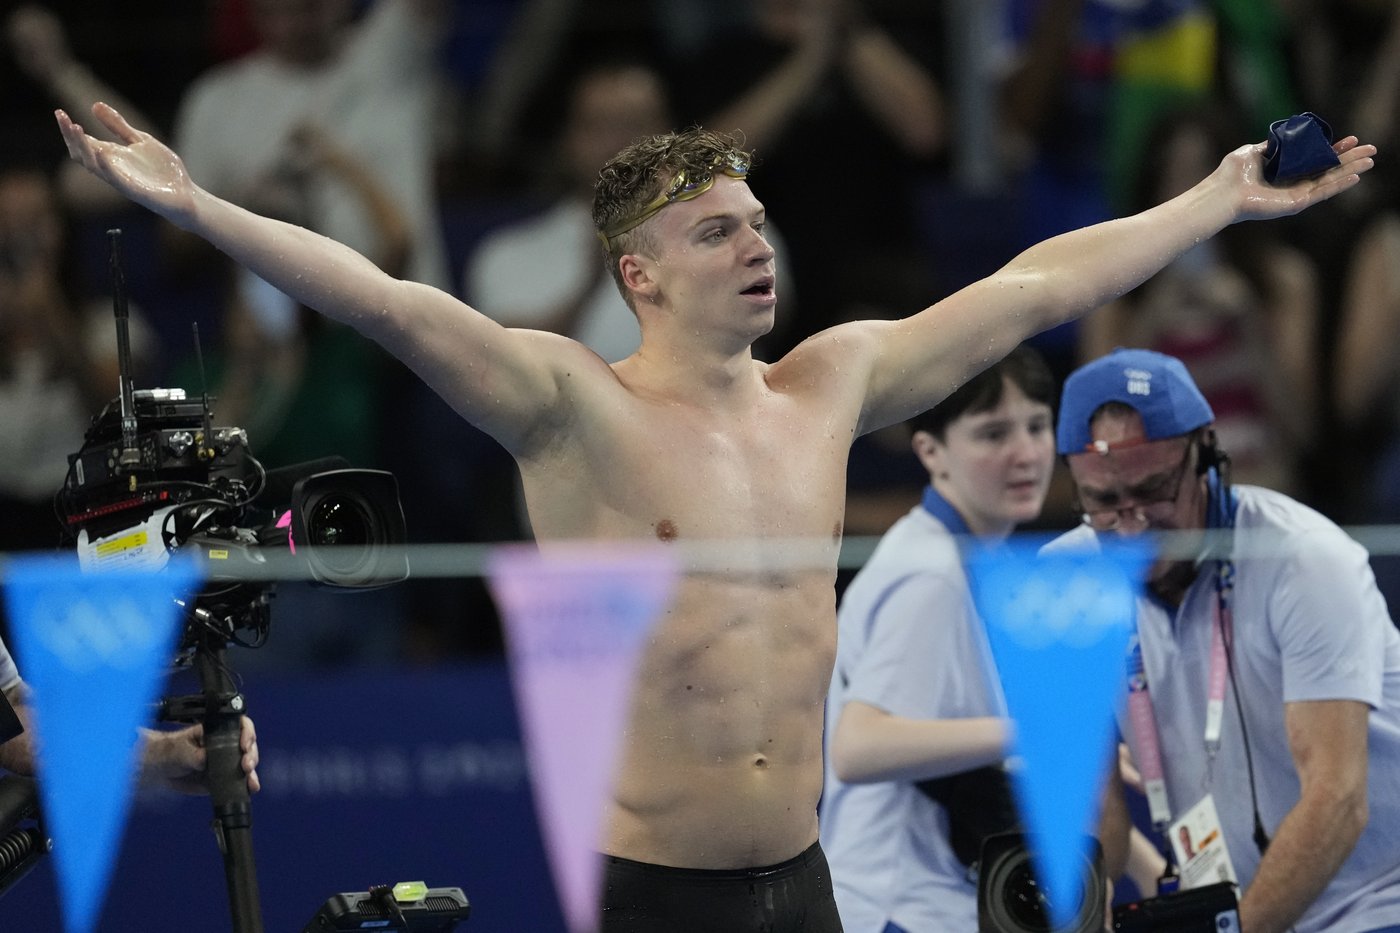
(1309, 624)
(909, 642)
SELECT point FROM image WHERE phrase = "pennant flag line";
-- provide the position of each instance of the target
(94, 649)
(1058, 624)
(575, 623)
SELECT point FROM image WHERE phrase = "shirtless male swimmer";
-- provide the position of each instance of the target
(713, 823)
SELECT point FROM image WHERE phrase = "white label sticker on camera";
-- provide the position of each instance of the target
(138, 547)
(1199, 845)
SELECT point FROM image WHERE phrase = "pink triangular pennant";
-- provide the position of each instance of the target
(575, 619)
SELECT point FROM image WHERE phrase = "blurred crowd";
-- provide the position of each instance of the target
(903, 149)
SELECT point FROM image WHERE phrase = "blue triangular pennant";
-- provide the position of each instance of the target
(1058, 624)
(94, 649)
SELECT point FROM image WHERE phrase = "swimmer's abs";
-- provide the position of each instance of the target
(748, 812)
(724, 739)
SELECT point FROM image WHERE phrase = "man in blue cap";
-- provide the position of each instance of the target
(1263, 706)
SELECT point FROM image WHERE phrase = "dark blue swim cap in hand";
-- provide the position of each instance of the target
(1298, 147)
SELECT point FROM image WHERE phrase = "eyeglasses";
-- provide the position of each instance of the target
(682, 188)
(1145, 503)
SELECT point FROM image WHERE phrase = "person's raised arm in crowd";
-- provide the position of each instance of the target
(1034, 88)
(39, 43)
(1364, 375)
(319, 152)
(266, 340)
(367, 77)
(40, 47)
(836, 38)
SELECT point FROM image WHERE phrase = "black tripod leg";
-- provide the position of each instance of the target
(228, 791)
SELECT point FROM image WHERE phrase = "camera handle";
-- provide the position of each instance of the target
(220, 708)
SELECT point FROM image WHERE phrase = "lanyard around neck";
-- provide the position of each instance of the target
(1142, 718)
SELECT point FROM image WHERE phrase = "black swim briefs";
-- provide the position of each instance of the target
(791, 897)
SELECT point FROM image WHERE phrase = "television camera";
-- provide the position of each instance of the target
(154, 477)
(1010, 898)
(163, 479)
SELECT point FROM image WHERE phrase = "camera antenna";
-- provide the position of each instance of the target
(130, 457)
(205, 451)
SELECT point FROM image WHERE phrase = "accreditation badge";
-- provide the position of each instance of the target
(1199, 845)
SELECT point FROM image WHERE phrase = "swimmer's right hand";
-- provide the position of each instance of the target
(137, 164)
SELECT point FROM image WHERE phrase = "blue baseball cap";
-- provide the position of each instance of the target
(1157, 386)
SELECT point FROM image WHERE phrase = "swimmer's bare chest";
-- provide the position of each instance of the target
(677, 472)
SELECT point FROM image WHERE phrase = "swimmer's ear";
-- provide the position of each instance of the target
(637, 276)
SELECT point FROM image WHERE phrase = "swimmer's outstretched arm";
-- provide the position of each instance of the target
(504, 381)
(915, 362)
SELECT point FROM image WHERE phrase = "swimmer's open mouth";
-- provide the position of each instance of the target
(762, 287)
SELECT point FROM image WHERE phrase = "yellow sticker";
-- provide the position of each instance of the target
(218, 554)
(124, 543)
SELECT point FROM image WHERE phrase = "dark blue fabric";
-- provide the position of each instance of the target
(1223, 501)
(941, 509)
(1298, 147)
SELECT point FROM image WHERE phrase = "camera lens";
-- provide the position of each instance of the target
(1011, 898)
(352, 524)
(343, 524)
(1024, 901)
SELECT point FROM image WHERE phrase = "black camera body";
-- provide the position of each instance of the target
(1213, 908)
(433, 910)
(169, 441)
(979, 803)
(984, 829)
(1010, 900)
(154, 476)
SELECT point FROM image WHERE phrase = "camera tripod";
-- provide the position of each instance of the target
(220, 707)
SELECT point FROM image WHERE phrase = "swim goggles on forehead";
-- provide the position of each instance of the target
(682, 188)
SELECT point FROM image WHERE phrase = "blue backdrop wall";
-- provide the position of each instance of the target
(369, 777)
